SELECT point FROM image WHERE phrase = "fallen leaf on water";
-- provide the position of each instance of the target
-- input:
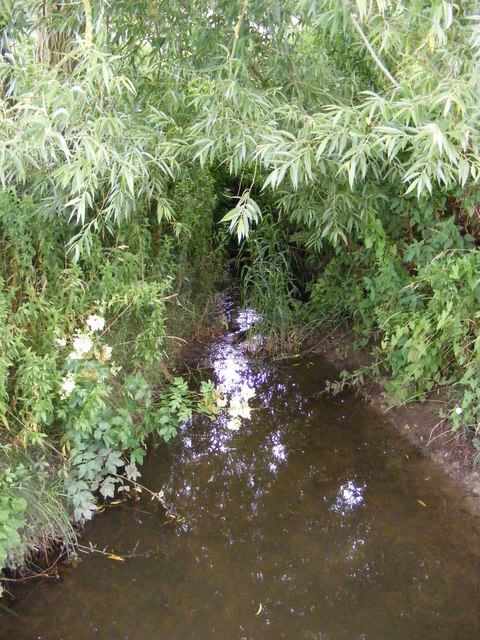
(259, 609)
(407, 456)
(422, 503)
(117, 558)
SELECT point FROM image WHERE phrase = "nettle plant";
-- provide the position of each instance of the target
(105, 418)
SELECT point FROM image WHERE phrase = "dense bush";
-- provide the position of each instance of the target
(80, 342)
(415, 300)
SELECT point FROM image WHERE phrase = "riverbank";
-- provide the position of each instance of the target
(420, 422)
(42, 509)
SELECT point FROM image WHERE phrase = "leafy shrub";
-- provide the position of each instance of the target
(421, 300)
(75, 407)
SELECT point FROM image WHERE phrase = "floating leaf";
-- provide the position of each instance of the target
(116, 558)
(259, 609)
(421, 503)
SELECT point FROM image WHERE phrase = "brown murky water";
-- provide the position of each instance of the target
(313, 521)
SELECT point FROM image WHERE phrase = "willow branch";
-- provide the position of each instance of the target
(236, 31)
(372, 52)
(87, 7)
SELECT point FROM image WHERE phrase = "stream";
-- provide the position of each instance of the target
(306, 517)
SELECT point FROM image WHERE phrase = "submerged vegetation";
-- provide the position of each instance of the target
(344, 138)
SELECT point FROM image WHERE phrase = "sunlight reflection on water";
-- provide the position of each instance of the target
(348, 497)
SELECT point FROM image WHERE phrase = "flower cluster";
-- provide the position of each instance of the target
(96, 323)
(68, 385)
(83, 342)
(238, 407)
(106, 353)
(84, 347)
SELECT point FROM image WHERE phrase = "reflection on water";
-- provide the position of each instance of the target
(348, 497)
(303, 524)
(231, 368)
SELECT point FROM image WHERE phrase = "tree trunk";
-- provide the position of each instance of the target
(53, 37)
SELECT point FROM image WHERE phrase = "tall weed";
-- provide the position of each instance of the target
(269, 283)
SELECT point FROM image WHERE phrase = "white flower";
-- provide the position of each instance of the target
(68, 384)
(234, 424)
(235, 407)
(221, 402)
(96, 323)
(61, 342)
(114, 369)
(458, 411)
(75, 356)
(106, 353)
(82, 344)
(238, 408)
(235, 403)
(247, 392)
(245, 412)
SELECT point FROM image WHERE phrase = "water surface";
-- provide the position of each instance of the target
(315, 520)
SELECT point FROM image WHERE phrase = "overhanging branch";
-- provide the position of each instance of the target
(378, 62)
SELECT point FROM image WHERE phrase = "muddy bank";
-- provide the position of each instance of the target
(420, 423)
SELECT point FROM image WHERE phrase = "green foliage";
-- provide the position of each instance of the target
(11, 519)
(355, 122)
(268, 282)
(421, 300)
(241, 217)
(34, 515)
(104, 418)
(74, 421)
